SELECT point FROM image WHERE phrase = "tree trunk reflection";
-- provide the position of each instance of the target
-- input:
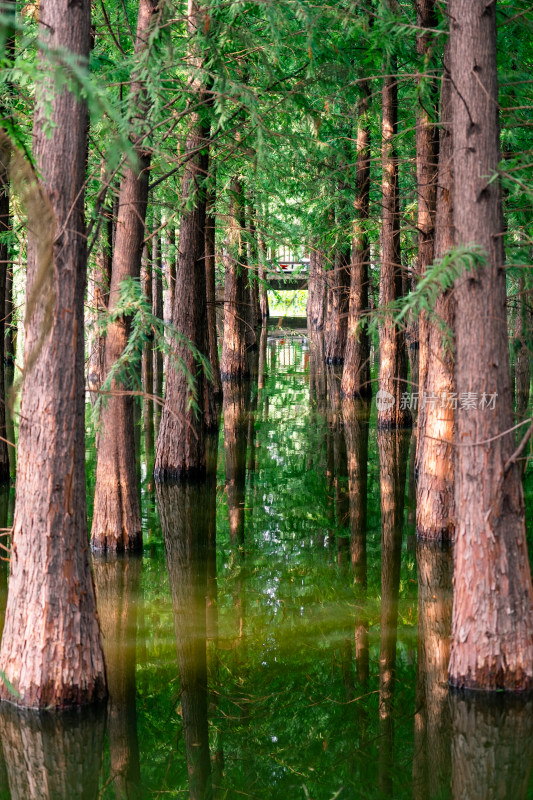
(393, 445)
(117, 589)
(184, 512)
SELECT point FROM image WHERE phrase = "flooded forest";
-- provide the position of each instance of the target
(266, 492)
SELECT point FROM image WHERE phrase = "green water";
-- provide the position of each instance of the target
(267, 643)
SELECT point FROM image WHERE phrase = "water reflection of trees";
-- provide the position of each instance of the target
(184, 512)
(492, 746)
(392, 445)
(117, 588)
(52, 755)
(431, 761)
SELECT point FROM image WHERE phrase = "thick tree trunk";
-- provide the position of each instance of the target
(180, 452)
(117, 587)
(116, 517)
(427, 149)
(233, 365)
(356, 373)
(184, 512)
(392, 351)
(492, 630)
(435, 487)
(210, 263)
(51, 650)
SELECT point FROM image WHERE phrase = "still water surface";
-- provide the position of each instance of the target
(283, 635)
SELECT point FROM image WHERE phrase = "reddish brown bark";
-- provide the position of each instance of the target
(116, 517)
(435, 486)
(180, 452)
(492, 629)
(392, 351)
(356, 373)
(51, 650)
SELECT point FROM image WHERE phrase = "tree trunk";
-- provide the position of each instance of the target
(427, 149)
(180, 452)
(392, 352)
(148, 369)
(233, 365)
(157, 311)
(116, 517)
(210, 263)
(316, 294)
(51, 651)
(184, 512)
(492, 630)
(356, 373)
(338, 312)
(435, 487)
